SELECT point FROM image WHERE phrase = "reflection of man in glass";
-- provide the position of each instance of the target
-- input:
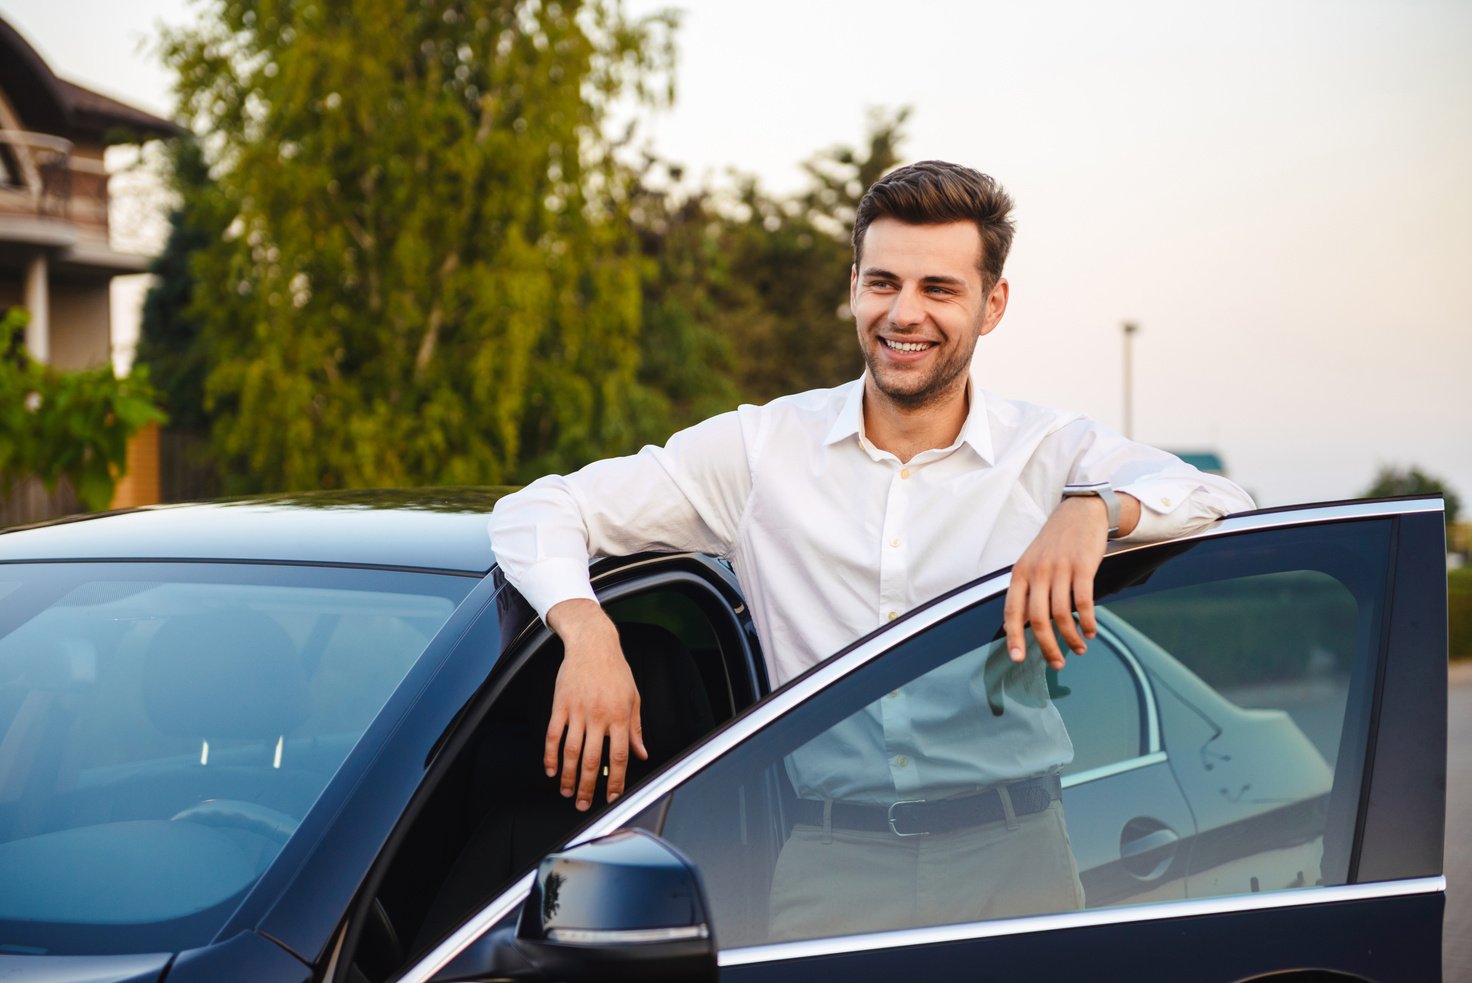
(914, 811)
(841, 509)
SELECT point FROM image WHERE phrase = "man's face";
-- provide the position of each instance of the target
(920, 304)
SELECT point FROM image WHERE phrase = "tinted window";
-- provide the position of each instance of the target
(1108, 721)
(1215, 736)
(164, 728)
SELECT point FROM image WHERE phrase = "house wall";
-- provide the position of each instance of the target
(81, 319)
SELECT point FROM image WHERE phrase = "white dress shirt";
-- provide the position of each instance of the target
(831, 536)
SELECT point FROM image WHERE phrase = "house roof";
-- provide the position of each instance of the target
(49, 104)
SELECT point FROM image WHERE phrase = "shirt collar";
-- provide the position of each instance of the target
(975, 432)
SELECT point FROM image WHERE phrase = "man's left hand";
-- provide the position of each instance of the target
(1055, 576)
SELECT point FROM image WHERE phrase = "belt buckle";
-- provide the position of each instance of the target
(890, 816)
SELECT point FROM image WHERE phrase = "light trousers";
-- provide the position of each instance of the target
(845, 882)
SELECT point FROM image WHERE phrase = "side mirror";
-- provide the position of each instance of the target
(625, 907)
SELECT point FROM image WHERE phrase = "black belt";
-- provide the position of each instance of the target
(917, 817)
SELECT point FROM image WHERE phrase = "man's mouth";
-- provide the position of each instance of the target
(908, 347)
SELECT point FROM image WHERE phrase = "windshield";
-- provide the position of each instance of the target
(164, 728)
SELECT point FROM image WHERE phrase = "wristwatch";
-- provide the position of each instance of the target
(1104, 491)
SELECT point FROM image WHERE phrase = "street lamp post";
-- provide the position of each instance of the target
(1130, 327)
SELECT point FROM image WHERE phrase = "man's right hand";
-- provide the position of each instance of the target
(595, 698)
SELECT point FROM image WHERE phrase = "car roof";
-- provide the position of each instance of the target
(431, 528)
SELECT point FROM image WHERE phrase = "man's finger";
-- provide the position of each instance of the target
(1012, 623)
(572, 750)
(592, 762)
(618, 760)
(555, 728)
(1040, 617)
(1083, 601)
(636, 732)
(1063, 616)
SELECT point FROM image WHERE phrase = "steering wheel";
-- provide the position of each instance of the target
(237, 814)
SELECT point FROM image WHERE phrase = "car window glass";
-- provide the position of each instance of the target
(164, 728)
(939, 784)
(1107, 724)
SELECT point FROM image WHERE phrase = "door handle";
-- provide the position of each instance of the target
(1147, 847)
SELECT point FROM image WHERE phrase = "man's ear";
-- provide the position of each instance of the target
(994, 307)
(853, 287)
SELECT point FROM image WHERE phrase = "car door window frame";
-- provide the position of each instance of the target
(1152, 753)
(799, 691)
(745, 682)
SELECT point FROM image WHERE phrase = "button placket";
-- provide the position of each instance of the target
(899, 741)
(893, 564)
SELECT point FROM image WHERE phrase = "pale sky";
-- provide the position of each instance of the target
(1278, 193)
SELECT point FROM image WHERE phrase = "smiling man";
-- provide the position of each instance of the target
(841, 509)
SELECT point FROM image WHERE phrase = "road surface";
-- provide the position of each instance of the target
(1456, 959)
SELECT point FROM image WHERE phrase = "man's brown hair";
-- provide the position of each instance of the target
(933, 192)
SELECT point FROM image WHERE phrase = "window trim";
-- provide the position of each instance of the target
(1153, 754)
(643, 576)
(865, 650)
(1155, 911)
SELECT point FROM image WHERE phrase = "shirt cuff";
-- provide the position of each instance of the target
(1158, 501)
(549, 582)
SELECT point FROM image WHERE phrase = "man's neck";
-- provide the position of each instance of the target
(906, 432)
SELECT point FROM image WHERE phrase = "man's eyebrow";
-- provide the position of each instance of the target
(934, 278)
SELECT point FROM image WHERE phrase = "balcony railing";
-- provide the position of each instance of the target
(38, 165)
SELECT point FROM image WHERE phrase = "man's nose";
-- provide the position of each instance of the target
(907, 308)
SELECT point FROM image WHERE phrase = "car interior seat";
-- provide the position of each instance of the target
(234, 677)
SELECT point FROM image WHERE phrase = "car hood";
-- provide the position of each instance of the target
(136, 968)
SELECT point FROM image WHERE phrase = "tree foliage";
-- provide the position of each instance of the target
(761, 280)
(417, 256)
(1391, 481)
(427, 274)
(72, 425)
(170, 341)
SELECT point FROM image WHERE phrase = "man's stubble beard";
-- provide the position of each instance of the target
(933, 391)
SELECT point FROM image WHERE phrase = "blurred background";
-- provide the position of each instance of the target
(473, 242)
(258, 245)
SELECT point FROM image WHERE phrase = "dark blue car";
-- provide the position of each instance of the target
(300, 738)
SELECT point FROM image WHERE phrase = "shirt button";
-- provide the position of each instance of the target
(894, 542)
(902, 761)
(894, 694)
(1165, 502)
(905, 473)
(893, 615)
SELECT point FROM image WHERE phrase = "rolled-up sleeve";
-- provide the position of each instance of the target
(1175, 498)
(687, 495)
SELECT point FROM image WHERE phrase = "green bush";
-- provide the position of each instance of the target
(1459, 612)
(72, 425)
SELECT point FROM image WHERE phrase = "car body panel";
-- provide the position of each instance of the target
(1411, 891)
(290, 922)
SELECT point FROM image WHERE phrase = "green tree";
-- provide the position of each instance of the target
(170, 342)
(427, 273)
(789, 260)
(1390, 481)
(748, 292)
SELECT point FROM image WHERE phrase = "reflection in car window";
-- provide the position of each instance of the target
(164, 728)
(1107, 722)
(1223, 705)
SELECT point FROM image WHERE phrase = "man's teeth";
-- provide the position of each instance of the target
(907, 346)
